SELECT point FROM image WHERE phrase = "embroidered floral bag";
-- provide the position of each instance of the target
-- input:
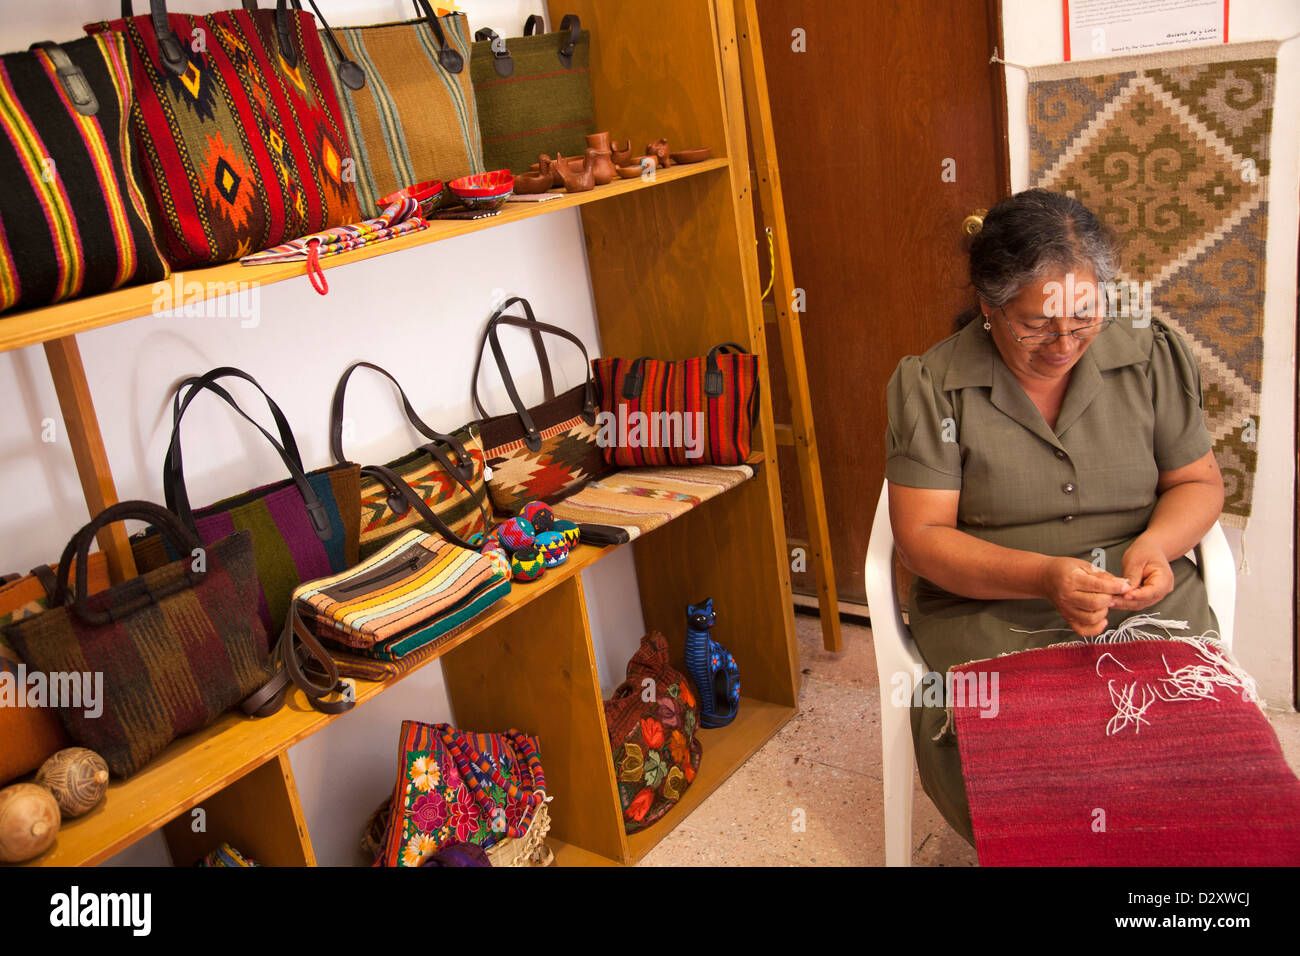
(457, 787)
(652, 718)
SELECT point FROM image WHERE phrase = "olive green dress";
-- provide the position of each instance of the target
(959, 420)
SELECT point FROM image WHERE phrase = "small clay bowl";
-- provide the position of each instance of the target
(629, 172)
(526, 184)
(697, 155)
(428, 194)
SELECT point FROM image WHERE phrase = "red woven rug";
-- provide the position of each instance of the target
(1191, 782)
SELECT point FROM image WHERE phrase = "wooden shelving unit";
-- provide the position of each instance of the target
(674, 272)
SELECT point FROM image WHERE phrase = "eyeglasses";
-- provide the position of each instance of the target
(1083, 333)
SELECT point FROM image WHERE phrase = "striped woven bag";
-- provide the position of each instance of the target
(238, 126)
(414, 119)
(73, 219)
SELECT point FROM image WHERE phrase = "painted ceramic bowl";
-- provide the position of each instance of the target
(494, 183)
(430, 195)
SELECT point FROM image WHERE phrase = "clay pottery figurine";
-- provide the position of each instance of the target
(598, 141)
(546, 164)
(585, 179)
(638, 168)
(78, 779)
(526, 184)
(621, 157)
(659, 150)
(29, 822)
(602, 167)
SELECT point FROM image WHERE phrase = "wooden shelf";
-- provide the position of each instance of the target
(725, 750)
(34, 326)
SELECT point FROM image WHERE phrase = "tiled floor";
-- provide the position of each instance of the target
(823, 771)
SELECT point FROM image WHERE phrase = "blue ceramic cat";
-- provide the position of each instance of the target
(711, 667)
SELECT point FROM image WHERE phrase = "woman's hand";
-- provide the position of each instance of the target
(1083, 594)
(1147, 569)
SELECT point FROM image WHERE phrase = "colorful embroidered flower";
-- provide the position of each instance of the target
(424, 773)
(680, 749)
(411, 852)
(449, 774)
(429, 812)
(672, 788)
(515, 810)
(687, 697)
(655, 768)
(670, 712)
(689, 723)
(652, 732)
(689, 772)
(640, 805)
(632, 767)
(428, 847)
(464, 816)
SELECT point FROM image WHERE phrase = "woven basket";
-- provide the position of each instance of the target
(528, 850)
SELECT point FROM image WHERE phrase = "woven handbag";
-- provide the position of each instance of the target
(402, 597)
(414, 119)
(238, 127)
(546, 452)
(445, 475)
(176, 647)
(701, 411)
(533, 93)
(28, 735)
(654, 743)
(303, 527)
(455, 786)
(73, 219)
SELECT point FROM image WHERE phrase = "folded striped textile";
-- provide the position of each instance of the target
(399, 219)
(638, 500)
(405, 595)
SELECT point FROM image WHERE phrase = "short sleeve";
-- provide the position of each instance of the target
(921, 449)
(1180, 433)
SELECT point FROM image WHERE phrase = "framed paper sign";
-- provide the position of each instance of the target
(1095, 28)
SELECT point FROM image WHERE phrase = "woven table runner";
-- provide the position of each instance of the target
(642, 499)
(1109, 754)
(1171, 150)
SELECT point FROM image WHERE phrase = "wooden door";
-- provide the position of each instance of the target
(890, 129)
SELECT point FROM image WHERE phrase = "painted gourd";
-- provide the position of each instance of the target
(78, 779)
(29, 822)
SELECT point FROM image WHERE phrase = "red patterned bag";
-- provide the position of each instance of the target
(238, 127)
(701, 411)
(652, 718)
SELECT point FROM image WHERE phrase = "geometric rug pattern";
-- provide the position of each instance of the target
(1171, 151)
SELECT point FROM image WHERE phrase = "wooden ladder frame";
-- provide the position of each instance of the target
(800, 434)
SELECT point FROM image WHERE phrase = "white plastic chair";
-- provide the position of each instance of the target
(897, 654)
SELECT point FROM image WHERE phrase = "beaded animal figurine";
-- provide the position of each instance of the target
(711, 666)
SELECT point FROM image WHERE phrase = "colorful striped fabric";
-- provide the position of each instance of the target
(414, 120)
(662, 413)
(398, 219)
(73, 219)
(638, 500)
(241, 151)
(286, 548)
(402, 597)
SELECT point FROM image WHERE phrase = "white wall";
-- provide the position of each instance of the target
(1265, 598)
(418, 313)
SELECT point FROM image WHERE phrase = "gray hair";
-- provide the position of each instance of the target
(1030, 234)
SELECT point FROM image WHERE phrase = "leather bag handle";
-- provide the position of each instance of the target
(713, 384)
(184, 540)
(71, 78)
(350, 75)
(533, 26)
(398, 487)
(173, 54)
(501, 58)
(463, 469)
(174, 478)
(299, 656)
(448, 56)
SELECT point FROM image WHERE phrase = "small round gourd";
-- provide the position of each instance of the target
(29, 822)
(78, 779)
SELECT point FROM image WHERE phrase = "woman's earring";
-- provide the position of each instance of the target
(986, 322)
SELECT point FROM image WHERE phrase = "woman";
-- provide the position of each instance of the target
(1048, 465)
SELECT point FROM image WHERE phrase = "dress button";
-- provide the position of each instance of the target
(1059, 453)
(1068, 487)
(1068, 518)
